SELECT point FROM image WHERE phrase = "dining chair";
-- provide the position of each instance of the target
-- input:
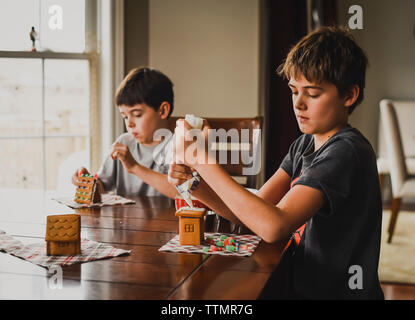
(246, 149)
(403, 184)
(229, 149)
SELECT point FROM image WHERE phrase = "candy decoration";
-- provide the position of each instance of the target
(220, 243)
(229, 241)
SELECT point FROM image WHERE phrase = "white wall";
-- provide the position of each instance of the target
(389, 41)
(211, 52)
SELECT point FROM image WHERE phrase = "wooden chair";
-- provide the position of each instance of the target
(236, 170)
(403, 185)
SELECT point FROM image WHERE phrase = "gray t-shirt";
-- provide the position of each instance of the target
(115, 178)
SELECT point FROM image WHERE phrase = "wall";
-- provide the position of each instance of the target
(389, 41)
(211, 52)
(135, 34)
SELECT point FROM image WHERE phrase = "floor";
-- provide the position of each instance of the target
(399, 291)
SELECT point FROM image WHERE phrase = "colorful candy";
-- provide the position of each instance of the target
(219, 243)
(223, 243)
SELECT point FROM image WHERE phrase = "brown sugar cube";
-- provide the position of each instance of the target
(191, 225)
(63, 235)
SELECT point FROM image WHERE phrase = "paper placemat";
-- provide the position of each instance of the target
(36, 252)
(107, 200)
(251, 241)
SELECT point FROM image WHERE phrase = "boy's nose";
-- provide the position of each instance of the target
(130, 123)
(299, 103)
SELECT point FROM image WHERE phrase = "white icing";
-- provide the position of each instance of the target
(191, 209)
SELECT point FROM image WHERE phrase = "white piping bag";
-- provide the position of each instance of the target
(185, 188)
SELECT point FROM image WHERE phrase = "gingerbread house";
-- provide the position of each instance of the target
(87, 190)
(191, 225)
(63, 235)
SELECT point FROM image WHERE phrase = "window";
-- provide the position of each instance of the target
(189, 228)
(47, 97)
(60, 25)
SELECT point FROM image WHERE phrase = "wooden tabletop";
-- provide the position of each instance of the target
(146, 273)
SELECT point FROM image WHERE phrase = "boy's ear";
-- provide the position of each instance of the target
(351, 95)
(164, 110)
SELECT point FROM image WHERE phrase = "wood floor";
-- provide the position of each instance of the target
(398, 291)
(395, 291)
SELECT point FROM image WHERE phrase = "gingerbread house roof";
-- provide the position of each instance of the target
(191, 212)
(64, 228)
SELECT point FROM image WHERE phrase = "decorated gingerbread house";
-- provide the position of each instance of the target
(87, 190)
(63, 235)
(191, 225)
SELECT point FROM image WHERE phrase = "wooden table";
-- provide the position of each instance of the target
(146, 273)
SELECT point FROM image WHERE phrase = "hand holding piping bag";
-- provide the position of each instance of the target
(185, 143)
(182, 142)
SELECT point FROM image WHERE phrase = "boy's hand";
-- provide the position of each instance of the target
(188, 150)
(121, 152)
(178, 174)
(78, 172)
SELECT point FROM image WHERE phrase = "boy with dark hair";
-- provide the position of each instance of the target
(322, 206)
(137, 163)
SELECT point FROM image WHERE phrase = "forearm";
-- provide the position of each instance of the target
(156, 180)
(210, 198)
(259, 216)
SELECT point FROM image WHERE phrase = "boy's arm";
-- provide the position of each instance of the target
(276, 187)
(179, 173)
(205, 193)
(271, 223)
(272, 192)
(157, 180)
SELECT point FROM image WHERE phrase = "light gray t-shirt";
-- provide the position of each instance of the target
(115, 178)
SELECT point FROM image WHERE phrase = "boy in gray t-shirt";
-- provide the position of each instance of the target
(114, 176)
(138, 162)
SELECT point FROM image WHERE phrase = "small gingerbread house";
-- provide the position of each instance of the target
(63, 235)
(191, 225)
(87, 190)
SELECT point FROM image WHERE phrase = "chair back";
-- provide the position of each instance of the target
(393, 143)
(234, 150)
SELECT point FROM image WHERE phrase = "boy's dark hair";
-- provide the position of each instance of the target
(328, 54)
(145, 85)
